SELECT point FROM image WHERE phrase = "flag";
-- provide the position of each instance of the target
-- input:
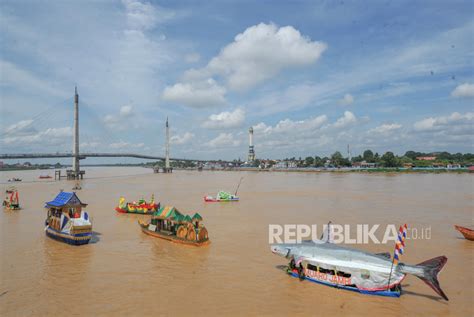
(400, 244)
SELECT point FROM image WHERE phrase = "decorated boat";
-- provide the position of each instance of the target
(12, 200)
(466, 232)
(140, 207)
(224, 196)
(170, 224)
(67, 221)
(326, 263)
(221, 197)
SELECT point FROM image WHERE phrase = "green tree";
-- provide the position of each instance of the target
(318, 162)
(337, 158)
(368, 156)
(309, 161)
(256, 163)
(376, 158)
(390, 160)
(357, 159)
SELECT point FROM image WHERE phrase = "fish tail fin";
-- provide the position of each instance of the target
(431, 269)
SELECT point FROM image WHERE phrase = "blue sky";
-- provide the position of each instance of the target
(309, 76)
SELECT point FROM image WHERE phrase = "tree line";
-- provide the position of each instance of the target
(388, 159)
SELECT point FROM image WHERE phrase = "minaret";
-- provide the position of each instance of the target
(251, 156)
(75, 149)
(167, 154)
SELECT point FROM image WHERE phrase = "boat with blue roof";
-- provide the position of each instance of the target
(67, 220)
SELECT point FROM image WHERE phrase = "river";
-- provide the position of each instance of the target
(125, 272)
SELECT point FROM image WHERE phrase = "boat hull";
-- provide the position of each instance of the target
(171, 238)
(123, 211)
(75, 239)
(397, 293)
(215, 200)
(466, 232)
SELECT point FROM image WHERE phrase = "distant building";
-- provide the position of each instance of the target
(285, 164)
(364, 164)
(1, 163)
(426, 158)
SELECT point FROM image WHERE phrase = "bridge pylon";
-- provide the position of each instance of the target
(76, 172)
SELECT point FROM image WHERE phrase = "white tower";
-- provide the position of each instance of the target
(251, 156)
(75, 141)
(167, 154)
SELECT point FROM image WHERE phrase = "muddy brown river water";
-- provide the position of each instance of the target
(125, 272)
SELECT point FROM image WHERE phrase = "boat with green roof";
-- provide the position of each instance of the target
(170, 224)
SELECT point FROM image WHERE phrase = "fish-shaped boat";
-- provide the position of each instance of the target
(140, 207)
(170, 224)
(351, 269)
(12, 199)
(221, 196)
(67, 221)
(466, 232)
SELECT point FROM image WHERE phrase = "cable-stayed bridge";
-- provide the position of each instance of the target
(76, 155)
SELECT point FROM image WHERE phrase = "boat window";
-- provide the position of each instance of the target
(343, 274)
(331, 272)
(312, 267)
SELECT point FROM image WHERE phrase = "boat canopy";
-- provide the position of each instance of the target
(197, 217)
(167, 212)
(223, 195)
(65, 199)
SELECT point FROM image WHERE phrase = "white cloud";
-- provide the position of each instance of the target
(386, 128)
(463, 91)
(145, 16)
(347, 120)
(124, 145)
(120, 121)
(288, 125)
(89, 145)
(197, 94)
(192, 58)
(347, 100)
(48, 136)
(454, 123)
(259, 53)
(225, 120)
(181, 139)
(223, 140)
(21, 127)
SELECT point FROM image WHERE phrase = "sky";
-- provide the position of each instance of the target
(310, 77)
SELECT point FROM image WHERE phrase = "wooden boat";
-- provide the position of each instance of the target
(169, 224)
(142, 207)
(14, 179)
(466, 232)
(67, 221)
(44, 177)
(221, 197)
(12, 201)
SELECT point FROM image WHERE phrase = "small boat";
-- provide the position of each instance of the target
(140, 207)
(12, 201)
(466, 232)
(169, 224)
(67, 221)
(14, 179)
(44, 176)
(221, 197)
(224, 196)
